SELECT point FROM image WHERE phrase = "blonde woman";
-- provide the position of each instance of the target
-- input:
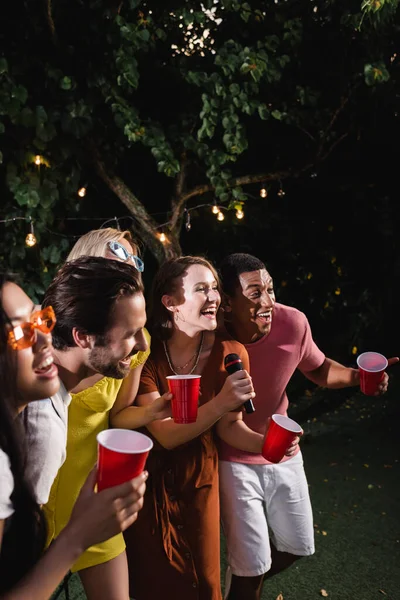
(98, 402)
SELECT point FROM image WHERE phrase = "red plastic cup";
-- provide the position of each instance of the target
(280, 434)
(185, 401)
(122, 455)
(372, 366)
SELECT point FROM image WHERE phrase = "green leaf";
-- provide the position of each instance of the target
(277, 114)
(375, 73)
(234, 89)
(144, 35)
(66, 83)
(263, 112)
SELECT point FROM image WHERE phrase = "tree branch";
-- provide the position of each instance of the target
(50, 21)
(144, 225)
(244, 180)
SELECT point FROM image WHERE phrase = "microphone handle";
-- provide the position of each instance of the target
(232, 368)
(249, 407)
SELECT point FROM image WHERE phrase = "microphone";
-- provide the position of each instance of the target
(232, 364)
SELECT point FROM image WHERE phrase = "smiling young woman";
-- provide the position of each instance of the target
(173, 551)
(28, 373)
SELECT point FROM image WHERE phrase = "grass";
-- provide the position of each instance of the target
(351, 455)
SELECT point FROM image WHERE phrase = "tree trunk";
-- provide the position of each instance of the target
(143, 225)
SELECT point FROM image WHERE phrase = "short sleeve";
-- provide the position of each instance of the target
(6, 486)
(311, 357)
(148, 380)
(141, 357)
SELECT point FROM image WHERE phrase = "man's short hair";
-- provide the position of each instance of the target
(234, 265)
(83, 295)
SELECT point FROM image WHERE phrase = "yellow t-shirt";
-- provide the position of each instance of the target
(87, 416)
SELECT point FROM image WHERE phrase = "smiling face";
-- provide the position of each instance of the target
(251, 308)
(111, 356)
(37, 375)
(195, 302)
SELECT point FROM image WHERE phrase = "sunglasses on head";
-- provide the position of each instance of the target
(24, 335)
(122, 253)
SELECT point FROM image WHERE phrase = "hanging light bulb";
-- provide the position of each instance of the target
(220, 216)
(38, 160)
(215, 208)
(82, 192)
(163, 237)
(281, 193)
(30, 239)
(188, 224)
(263, 192)
(239, 214)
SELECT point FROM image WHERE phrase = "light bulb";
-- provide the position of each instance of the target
(30, 240)
(220, 216)
(263, 192)
(281, 193)
(163, 238)
(239, 214)
(82, 192)
(38, 159)
(215, 209)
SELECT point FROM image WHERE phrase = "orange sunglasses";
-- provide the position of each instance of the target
(24, 335)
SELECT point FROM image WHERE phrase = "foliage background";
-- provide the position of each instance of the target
(134, 102)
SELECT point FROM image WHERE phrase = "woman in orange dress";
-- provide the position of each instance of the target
(174, 548)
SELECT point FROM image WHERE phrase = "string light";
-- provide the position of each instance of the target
(239, 214)
(38, 160)
(30, 239)
(82, 192)
(162, 237)
(263, 192)
(220, 216)
(215, 208)
(281, 193)
(188, 224)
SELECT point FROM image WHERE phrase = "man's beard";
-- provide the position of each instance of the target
(99, 360)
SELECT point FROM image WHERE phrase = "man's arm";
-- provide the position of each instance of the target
(332, 374)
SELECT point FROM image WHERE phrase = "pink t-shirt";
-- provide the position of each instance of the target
(273, 360)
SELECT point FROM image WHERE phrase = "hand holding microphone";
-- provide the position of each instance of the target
(232, 364)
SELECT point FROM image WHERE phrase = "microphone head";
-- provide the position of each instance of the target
(233, 363)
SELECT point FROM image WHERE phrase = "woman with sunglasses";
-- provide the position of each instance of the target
(103, 569)
(173, 549)
(27, 373)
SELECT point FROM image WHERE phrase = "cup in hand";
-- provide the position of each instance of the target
(371, 366)
(122, 455)
(280, 434)
(185, 390)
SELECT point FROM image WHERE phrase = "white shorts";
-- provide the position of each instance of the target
(260, 503)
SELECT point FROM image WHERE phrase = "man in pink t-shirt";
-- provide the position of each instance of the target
(265, 508)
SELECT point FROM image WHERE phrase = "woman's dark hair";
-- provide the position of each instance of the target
(83, 295)
(25, 530)
(168, 281)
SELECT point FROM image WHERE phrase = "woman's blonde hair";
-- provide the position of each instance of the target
(94, 243)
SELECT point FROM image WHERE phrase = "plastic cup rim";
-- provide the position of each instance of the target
(136, 433)
(177, 377)
(373, 370)
(290, 424)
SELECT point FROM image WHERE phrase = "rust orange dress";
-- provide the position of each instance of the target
(173, 548)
